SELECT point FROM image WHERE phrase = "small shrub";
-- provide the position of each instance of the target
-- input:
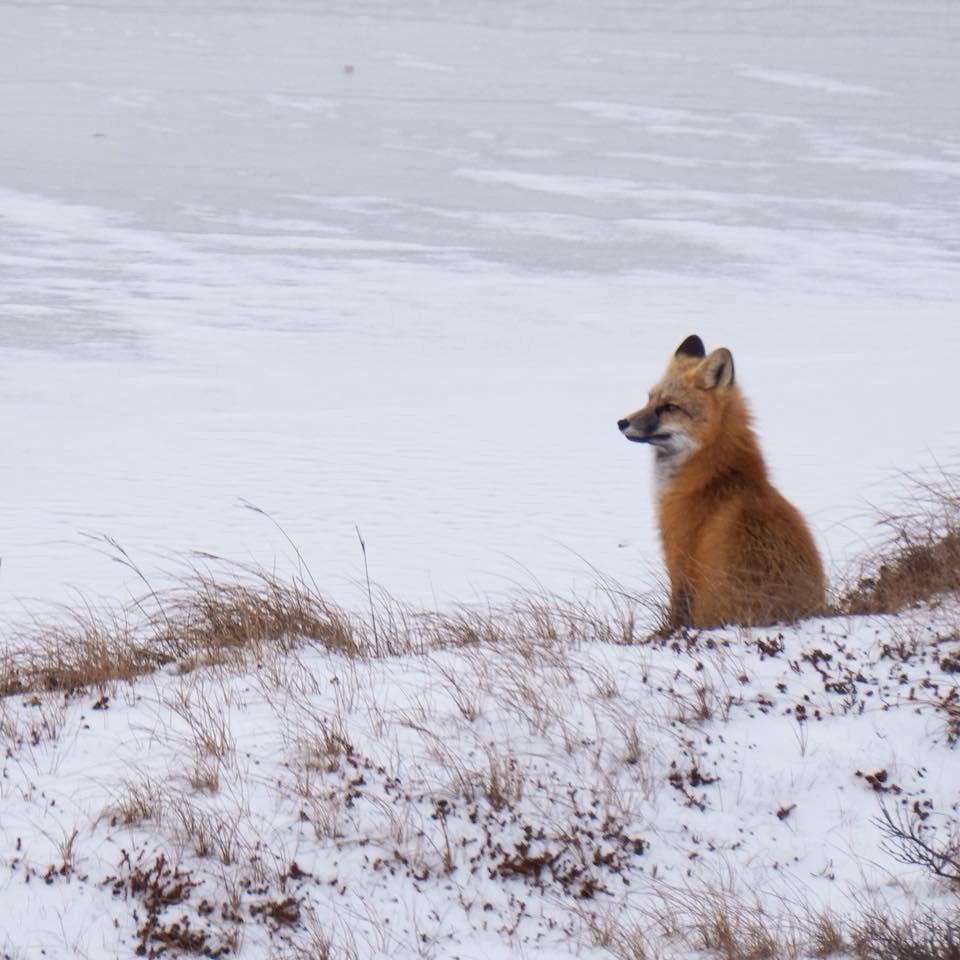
(911, 840)
(930, 936)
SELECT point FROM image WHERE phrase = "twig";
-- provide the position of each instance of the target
(906, 845)
(366, 573)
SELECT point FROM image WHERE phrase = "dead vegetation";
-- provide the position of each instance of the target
(160, 888)
(224, 614)
(930, 936)
(177, 915)
(912, 837)
(220, 613)
(725, 928)
(919, 559)
(210, 618)
(826, 936)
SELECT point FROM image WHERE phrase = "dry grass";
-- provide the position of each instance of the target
(727, 927)
(919, 560)
(826, 937)
(527, 660)
(709, 922)
(737, 936)
(322, 944)
(205, 830)
(76, 649)
(205, 711)
(138, 801)
(930, 936)
(623, 941)
(208, 832)
(223, 614)
(534, 623)
(40, 719)
(358, 751)
(323, 747)
(208, 618)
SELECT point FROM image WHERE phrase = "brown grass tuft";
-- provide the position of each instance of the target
(729, 928)
(928, 937)
(82, 648)
(920, 558)
(138, 801)
(224, 614)
(210, 616)
(736, 937)
(206, 619)
(826, 937)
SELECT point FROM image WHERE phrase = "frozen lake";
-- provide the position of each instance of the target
(402, 266)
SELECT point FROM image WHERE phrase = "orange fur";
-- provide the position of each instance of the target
(736, 551)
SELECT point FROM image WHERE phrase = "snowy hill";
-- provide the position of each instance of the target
(478, 785)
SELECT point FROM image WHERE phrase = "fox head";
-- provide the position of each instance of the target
(685, 409)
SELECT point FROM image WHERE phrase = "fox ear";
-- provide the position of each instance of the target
(691, 347)
(716, 371)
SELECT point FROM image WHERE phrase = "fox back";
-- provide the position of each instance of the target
(736, 551)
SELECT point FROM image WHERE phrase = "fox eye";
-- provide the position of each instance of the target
(667, 408)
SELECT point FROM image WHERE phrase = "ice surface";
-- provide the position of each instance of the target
(402, 266)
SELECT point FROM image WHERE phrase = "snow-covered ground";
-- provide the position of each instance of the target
(403, 265)
(538, 796)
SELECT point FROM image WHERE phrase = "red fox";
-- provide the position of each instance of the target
(736, 551)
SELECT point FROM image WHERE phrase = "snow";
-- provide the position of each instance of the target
(793, 79)
(275, 254)
(395, 270)
(410, 791)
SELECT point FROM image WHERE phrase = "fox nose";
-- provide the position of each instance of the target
(623, 424)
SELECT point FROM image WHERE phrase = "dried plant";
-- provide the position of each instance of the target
(929, 936)
(912, 840)
(919, 559)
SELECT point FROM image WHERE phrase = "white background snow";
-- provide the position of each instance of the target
(403, 265)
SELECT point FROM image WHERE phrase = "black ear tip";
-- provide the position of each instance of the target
(691, 347)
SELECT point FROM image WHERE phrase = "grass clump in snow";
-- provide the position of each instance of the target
(208, 618)
(931, 936)
(920, 558)
(224, 614)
